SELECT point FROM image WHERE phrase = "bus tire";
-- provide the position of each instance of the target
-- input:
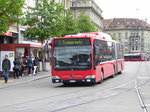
(121, 70)
(102, 77)
(114, 74)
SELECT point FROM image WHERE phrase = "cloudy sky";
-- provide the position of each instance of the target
(125, 9)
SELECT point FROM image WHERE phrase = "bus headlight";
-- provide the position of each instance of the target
(90, 77)
(56, 77)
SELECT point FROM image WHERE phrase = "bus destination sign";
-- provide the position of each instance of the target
(72, 42)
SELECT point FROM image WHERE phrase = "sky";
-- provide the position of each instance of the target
(125, 9)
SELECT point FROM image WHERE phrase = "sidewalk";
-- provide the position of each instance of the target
(24, 79)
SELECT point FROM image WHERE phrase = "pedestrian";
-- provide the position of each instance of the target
(6, 65)
(24, 66)
(21, 66)
(16, 68)
(35, 65)
(29, 65)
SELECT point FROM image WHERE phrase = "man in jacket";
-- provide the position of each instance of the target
(6, 65)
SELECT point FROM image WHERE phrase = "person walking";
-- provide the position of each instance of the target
(24, 66)
(21, 66)
(29, 64)
(35, 64)
(16, 68)
(6, 65)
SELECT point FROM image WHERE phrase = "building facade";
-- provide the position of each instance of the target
(88, 7)
(133, 33)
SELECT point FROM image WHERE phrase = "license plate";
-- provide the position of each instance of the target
(72, 81)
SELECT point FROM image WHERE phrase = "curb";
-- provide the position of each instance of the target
(22, 82)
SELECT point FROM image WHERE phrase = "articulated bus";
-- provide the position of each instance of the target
(135, 57)
(85, 58)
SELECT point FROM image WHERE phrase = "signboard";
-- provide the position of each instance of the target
(72, 42)
(11, 57)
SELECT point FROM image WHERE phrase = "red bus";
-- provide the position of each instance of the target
(135, 57)
(85, 58)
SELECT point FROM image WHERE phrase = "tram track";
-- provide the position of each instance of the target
(76, 101)
(140, 95)
(138, 87)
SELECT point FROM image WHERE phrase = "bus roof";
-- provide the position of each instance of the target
(99, 35)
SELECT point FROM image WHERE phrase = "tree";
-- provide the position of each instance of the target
(10, 11)
(113, 37)
(70, 25)
(44, 20)
(85, 24)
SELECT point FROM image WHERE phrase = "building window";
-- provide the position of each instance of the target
(84, 3)
(74, 4)
(119, 34)
(114, 34)
(142, 34)
(132, 47)
(142, 48)
(126, 35)
(136, 41)
(119, 39)
(132, 41)
(79, 4)
(136, 47)
(142, 40)
(126, 48)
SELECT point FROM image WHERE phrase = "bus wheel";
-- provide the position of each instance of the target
(121, 70)
(113, 75)
(102, 77)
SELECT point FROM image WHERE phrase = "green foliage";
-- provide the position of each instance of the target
(10, 11)
(44, 20)
(85, 24)
(113, 37)
(70, 25)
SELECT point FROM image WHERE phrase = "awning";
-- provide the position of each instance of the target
(7, 33)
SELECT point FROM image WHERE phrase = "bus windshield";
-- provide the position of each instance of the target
(72, 57)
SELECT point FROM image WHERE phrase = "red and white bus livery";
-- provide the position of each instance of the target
(86, 58)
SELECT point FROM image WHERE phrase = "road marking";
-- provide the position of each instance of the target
(22, 82)
(143, 77)
(110, 95)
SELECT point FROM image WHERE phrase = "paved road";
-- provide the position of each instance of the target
(113, 95)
